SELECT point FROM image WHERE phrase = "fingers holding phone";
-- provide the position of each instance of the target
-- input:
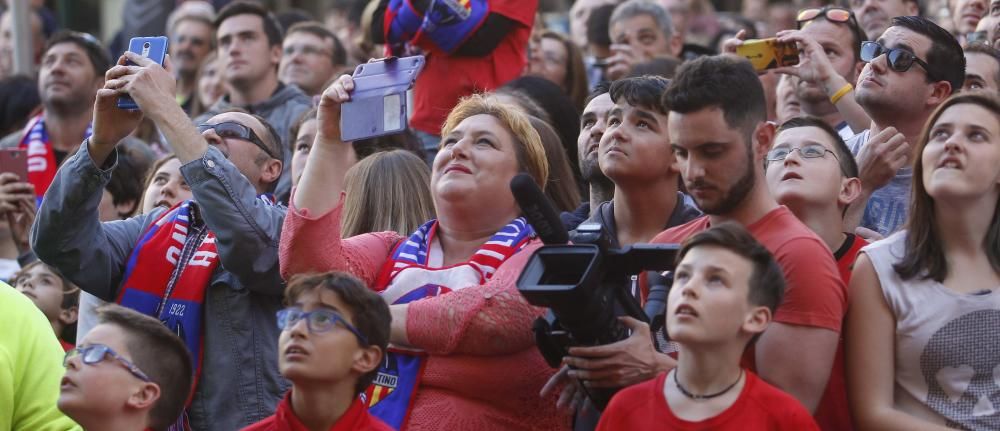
(328, 112)
(13, 189)
(814, 66)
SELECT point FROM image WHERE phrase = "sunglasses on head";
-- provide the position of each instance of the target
(96, 353)
(899, 59)
(232, 129)
(831, 13)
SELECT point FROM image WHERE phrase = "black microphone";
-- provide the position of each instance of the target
(538, 210)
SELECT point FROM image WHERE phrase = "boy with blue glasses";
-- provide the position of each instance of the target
(128, 373)
(334, 334)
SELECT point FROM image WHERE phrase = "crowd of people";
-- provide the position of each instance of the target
(222, 259)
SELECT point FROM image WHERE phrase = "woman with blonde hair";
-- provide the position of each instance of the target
(387, 191)
(463, 356)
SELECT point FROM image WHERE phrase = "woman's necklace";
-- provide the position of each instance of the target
(706, 396)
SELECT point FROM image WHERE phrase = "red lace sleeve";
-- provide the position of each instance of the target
(313, 244)
(483, 320)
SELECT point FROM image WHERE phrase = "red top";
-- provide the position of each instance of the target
(446, 78)
(833, 412)
(814, 294)
(66, 346)
(355, 418)
(759, 407)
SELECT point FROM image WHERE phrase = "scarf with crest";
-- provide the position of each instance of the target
(406, 277)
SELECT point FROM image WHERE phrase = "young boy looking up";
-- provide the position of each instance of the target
(811, 171)
(726, 288)
(333, 336)
(55, 295)
(129, 373)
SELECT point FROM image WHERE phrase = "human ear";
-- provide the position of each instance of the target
(276, 55)
(144, 397)
(68, 316)
(676, 45)
(850, 191)
(763, 137)
(757, 320)
(367, 359)
(940, 91)
(271, 171)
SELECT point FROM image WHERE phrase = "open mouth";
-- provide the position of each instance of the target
(685, 310)
(791, 176)
(950, 163)
(458, 168)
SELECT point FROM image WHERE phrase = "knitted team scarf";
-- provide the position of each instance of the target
(445, 25)
(405, 278)
(42, 164)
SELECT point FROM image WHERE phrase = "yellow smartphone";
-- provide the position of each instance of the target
(767, 54)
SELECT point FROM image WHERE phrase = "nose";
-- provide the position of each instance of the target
(880, 64)
(299, 329)
(794, 157)
(689, 289)
(690, 169)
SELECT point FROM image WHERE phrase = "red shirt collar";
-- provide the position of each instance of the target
(356, 417)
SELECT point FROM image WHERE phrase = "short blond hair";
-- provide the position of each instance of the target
(530, 152)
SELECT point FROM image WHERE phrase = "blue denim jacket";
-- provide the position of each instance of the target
(239, 382)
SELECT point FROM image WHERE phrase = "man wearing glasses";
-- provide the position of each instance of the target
(913, 67)
(191, 40)
(207, 268)
(310, 57)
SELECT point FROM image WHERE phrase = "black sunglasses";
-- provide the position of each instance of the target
(899, 59)
(232, 129)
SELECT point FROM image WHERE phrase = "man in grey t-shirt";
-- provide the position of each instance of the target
(913, 67)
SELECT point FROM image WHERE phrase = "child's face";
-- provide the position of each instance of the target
(90, 391)
(45, 289)
(798, 181)
(709, 302)
(334, 355)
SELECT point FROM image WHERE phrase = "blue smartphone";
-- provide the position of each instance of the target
(378, 103)
(153, 48)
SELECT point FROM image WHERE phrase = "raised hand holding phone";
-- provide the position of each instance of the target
(378, 104)
(154, 48)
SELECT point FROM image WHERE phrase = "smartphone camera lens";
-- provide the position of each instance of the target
(145, 45)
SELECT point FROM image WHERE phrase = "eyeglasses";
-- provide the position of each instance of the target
(316, 321)
(232, 129)
(809, 151)
(95, 353)
(831, 13)
(899, 59)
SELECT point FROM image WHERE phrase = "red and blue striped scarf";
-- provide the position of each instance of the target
(405, 278)
(42, 164)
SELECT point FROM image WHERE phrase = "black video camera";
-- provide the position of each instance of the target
(586, 285)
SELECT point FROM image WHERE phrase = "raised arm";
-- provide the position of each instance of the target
(67, 233)
(870, 334)
(246, 229)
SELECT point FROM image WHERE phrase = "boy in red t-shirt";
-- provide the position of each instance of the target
(726, 287)
(811, 171)
(334, 335)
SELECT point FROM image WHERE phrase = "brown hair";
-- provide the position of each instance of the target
(924, 251)
(160, 354)
(150, 174)
(369, 313)
(401, 180)
(576, 73)
(528, 145)
(70, 291)
(561, 187)
(767, 282)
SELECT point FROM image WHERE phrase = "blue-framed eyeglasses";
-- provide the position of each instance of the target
(316, 321)
(95, 353)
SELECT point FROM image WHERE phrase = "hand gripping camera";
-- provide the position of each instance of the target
(586, 284)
